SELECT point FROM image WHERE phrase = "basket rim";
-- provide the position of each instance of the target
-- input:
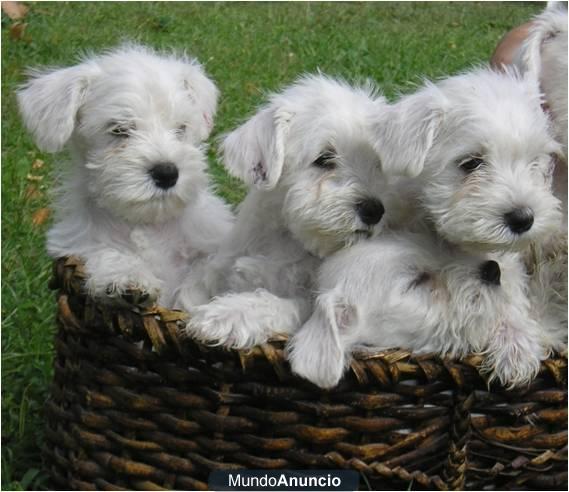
(162, 327)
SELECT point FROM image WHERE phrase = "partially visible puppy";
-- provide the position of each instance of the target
(317, 187)
(407, 291)
(544, 55)
(484, 154)
(135, 204)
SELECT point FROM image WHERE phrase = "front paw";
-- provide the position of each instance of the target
(513, 367)
(219, 324)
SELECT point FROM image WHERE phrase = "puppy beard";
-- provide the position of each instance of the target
(325, 223)
(476, 220)
(323, 242)
(477, 234)
(126, 189)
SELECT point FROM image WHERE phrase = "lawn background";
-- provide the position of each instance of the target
(248, 49)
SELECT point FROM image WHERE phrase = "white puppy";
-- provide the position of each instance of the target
(407, 291)
(316, 188)
(484, 155)
(135, 204)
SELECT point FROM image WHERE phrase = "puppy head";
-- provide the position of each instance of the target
(136, 121)
(489, 304)
(311, 148)
(516, 346)
(486, 155)
(474, 294)
(472, 286)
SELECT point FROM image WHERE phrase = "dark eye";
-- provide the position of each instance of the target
(470, 164)
(122, 131)
(326, 160)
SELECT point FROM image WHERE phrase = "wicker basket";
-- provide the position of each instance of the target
(132, 407)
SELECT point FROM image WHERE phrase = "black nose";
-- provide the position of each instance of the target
(370, 211)
(519, 220)
(490, 272)
(164, 174)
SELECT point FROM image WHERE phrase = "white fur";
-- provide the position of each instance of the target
(491, 115)
(547, 265)
(131, 233)
(295, 213)
(544, 56)
(408, 291)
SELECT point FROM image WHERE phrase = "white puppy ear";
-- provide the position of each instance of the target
(405, 133)
(204, 93)
(49, 102)
(255, 151)
(553, 6)
(317, 352)
(552, 22)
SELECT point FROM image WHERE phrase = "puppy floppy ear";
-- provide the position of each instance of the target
(204, 94)
(405, 133)
(49, 102)
(548, 25)
(255, 151)
(318, 352)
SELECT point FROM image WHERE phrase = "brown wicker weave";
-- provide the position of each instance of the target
(133, 407)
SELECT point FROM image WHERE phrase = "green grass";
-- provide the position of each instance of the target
(249, 49)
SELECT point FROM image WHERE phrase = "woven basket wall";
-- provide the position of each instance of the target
(133, 407)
